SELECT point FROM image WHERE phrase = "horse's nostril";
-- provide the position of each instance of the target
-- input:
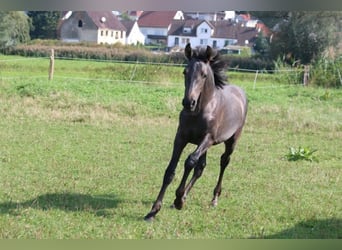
(186, 103)
(189, 104)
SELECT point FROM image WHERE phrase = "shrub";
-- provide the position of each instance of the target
(326, 73)
(250, 63)
(93, 51)
(288, 74)
(42, 48)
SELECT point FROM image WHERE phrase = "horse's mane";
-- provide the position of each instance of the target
(217, 64)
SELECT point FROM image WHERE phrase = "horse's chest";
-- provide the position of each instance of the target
(194, 129)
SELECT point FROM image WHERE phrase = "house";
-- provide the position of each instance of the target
(133, 15)
(210, 16)
(155, 25)
(196, 32)
(133, 33)
(101, 27)
(217, 34)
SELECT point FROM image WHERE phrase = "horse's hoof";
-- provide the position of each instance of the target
(178, 204)
(149, 218)
(214, 203)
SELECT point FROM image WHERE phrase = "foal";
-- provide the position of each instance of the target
(213, 113)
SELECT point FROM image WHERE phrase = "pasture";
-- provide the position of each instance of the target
(83, 156)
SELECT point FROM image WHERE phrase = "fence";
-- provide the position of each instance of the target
(255, 75)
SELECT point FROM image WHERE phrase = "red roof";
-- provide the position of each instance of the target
(264, 29)
(106, 20)
(157, 19)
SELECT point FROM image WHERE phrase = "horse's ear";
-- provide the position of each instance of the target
(188, 51)
(210, 53)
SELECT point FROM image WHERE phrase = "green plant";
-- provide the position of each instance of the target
(326, 73)
(326, 96)
(287, 74)
(301, 153)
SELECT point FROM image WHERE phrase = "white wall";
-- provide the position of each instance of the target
(107, 36)
(136, 36)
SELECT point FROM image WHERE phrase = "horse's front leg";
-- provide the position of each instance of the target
(191, 162)
(178, 146)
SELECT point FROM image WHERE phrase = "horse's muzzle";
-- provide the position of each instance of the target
(189, 105)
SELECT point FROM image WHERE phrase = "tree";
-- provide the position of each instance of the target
(14, 28)
(270, 18)
(262, 45)
(44, 24)
(305, 35)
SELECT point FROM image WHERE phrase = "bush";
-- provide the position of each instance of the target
(250, 63)
(40, 48)
(288, 74)
(326, 73)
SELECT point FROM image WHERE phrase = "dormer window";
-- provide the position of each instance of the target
(186, 30)
(80, 23)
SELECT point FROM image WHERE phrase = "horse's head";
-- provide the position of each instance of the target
(196, 74)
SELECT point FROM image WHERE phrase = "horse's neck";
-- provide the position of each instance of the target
(209, 90)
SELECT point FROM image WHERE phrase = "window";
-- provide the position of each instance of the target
(214, 44)
(204, 41)
(80, 23)
(204, 30)
(186, 30)
(176, 40)
(101, 32)
(185, 40)
(106, 32)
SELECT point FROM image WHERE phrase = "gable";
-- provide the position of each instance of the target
(128, 25)
(94, 20)
(106, 20)
(204, 28)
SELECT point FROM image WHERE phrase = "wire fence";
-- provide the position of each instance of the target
(256, 76)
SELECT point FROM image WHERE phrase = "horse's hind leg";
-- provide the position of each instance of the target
(225, 158)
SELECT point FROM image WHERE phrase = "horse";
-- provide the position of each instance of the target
(214, 112)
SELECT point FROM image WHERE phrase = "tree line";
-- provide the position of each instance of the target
(20, 27)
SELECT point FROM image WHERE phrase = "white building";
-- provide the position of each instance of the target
(101, 27)
(133, 34)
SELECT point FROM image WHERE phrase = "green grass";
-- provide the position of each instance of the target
(83, 156)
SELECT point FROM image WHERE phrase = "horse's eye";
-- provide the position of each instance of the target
(204, 75)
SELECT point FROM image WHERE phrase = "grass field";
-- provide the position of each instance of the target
(83, 156)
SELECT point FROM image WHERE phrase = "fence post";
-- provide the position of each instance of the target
(133, 72)
(306, 75)
(52, 64)
(255, 78)
(339, 76)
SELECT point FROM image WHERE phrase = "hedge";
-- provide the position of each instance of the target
(125, 53)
